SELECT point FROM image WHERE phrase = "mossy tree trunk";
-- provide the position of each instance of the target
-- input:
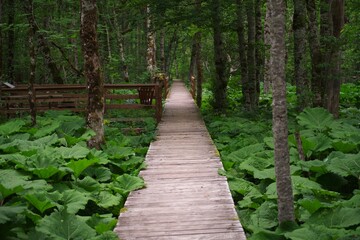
(93, 73)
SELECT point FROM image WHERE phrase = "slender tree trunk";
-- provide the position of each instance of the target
(267, 38)
(242, 48)
(334, 83)
(251, 95)
(220, 99)
(299, 28)
(162, 52)
(192, 67)
(259, 49)
(92, 69)
(150, 56)
(280, 122)
(316, 57)
(11, 40)
(121, 44)
(32, 54)
(1, 42)
(199, 70)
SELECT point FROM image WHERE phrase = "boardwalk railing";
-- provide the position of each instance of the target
(74, 97)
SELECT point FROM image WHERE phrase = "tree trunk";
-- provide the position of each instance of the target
(242, 48)
(162, 52)
(150, 56)
(267, 38)
(299, 28)
(121, 44)
(259, 49)
(251, 95)
(220, 99)
(32, 54)
(334, 83)
(92, 70)
(280, 122)
(192, 67)
(1, 42)
(199, 69)
(11, 41)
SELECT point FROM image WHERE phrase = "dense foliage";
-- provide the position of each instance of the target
(53, 187)
(326, 183)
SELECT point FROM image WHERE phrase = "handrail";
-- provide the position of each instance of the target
(74, 97)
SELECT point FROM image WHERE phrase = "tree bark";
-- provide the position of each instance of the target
(299, 28)
(1, 43)
(32, 54)
(280, 121)
(251, 95)
(267, 38)
(11, 41)
(121, 44)
(150, 56)
(334, 83)
(199, 69)
(162, 52)
(242, 48)
(316, 58)
(259, 47)
(192, 67)
(220, 98)
(93, 74)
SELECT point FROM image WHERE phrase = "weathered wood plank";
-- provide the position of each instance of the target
(185, 198)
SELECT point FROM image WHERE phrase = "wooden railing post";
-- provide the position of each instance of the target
(158, 101)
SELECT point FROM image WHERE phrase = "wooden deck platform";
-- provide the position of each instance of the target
(184, 198)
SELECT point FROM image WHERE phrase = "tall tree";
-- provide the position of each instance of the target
(316, 58)
(11, 40)
(199, 68)
(267, 38)
(1, 42)
(259, 47)
(221, 80)
(242, 49)
(151, 47)
(280, 121)
(299, 28)
(251, 95)
(32, 54)
(92, 70)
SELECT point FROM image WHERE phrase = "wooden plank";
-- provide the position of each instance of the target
(185, 198)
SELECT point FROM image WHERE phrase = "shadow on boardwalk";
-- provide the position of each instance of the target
(184, 198)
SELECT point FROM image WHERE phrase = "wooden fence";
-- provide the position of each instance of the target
(74, 98)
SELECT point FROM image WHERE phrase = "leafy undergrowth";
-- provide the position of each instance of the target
(325, 185)
(53, 187)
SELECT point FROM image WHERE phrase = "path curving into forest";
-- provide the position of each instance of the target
(184, 198)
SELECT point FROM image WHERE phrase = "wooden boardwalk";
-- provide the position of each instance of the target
(184, 198)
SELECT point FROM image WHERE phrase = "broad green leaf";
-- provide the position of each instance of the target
(101, 174)
(12, 181)
(40, 201)
(106, 199)
(253, 163)
(242, 154)
(317, 119)
(241, 186)
(63, 225)
(311, 205)
(74, 200)
(130, 164)
(87, 184)
(264, 174)
(265, 216)
(70, 127)
(316, 232)
(9, 213)
(266, 235)
(47, 140)
(109, 235)
(47, 130)
(12, 126)
(43, 165)
(341, 217)
(127, 183)
(314, 166)
(345, 146)
(75, 152)
(80, 165)
(344, 164)
(116, 152)
(102, 223)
